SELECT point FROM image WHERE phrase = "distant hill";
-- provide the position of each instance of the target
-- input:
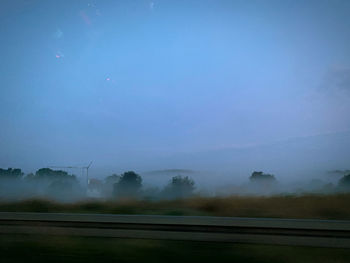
(296, 159)
(297, 156)
(170, 172)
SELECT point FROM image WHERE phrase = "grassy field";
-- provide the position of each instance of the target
(42, 248)
(31, 248)
(306, 206)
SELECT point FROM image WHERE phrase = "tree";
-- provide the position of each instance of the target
(47, 173)
(344, 182)
(10, 173)
(11, 184)
(108, 186)
(129, 185)
(95, 185)
(112, 179)
(261, 183)
(179, 187)
(262, 177)
(55, 183)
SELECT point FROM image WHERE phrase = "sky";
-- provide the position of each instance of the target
(121, 82)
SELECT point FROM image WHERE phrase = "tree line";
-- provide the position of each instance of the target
(128, 184)
(58, 183)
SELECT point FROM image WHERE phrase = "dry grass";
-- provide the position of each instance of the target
(335, 206)
(307, 206)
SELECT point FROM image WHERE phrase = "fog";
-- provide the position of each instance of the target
(213, 90)
(59, 185)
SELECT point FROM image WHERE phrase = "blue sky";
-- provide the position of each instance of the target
(112, 81)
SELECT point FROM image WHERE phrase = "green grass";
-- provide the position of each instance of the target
(334, 206)
(36, 248)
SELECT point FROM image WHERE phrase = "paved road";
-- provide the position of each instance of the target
(319, 233)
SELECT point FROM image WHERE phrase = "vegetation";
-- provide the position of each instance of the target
(344, 182)
(334, 206)
(10, 173)
(179, 187)
(49, 174)
(45, 182)
(58, 185)
(129, 185)
(262, 177)
(112, 179)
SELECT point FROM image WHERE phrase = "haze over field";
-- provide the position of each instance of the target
(222, 88)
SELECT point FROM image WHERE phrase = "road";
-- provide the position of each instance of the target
(300, 232)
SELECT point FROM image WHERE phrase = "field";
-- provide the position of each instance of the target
(305, 206)
(47, 248)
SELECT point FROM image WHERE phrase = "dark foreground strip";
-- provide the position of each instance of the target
(319, 233)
